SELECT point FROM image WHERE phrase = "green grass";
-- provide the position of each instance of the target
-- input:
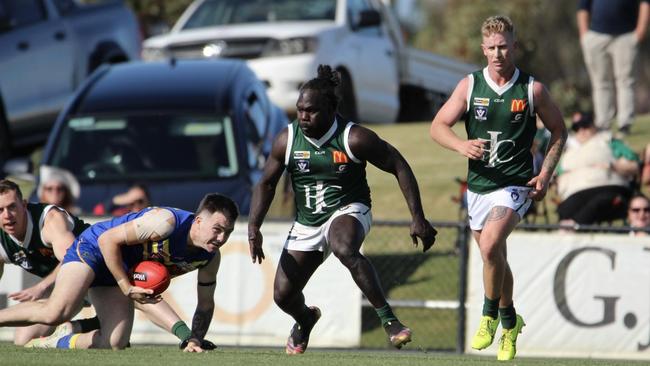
(407, 274)
(169, 355)
(436, 168)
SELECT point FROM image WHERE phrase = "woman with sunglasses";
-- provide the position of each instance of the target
(638, 215)
(58, 187)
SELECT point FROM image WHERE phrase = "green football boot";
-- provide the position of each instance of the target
(508, 342)
(485, 334)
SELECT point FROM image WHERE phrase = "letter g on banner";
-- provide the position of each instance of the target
(559, 289)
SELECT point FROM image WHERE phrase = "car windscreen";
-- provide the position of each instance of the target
(148, 147)
(224, 12)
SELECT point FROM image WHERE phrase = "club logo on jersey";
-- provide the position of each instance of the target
(484, 102)
(517, 118)
(491, 149)
(480, 113)
(303, 166)
(46, 252)
(518, 105)
(301, 154)
(339, 157)
(21, 259)
(318, 197)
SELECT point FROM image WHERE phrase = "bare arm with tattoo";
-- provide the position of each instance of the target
(550, 115)
(206, 284)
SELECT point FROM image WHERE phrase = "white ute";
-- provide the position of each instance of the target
(284, 41)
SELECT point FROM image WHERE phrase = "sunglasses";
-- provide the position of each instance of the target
(639, 209)
(54, 188)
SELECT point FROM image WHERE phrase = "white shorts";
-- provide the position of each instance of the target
(305, 238)
(480, 205)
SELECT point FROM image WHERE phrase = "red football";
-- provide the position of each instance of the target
(151, 275)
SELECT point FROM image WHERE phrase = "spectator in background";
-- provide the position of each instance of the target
(58, 187)
(645, 168)
(638, 214)
(133, 200)
(610, 34)
(595, 175)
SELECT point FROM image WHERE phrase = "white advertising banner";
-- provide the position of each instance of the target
(580, 295)
(245, 313)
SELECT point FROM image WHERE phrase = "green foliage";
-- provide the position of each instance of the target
(153, 13)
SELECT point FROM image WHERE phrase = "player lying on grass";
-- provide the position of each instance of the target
(98, 260)
(35, 236)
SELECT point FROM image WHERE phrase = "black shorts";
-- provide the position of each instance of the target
(595, 205)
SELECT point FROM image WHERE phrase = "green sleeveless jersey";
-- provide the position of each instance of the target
(324, 173)
(505, 118)
(34, 256)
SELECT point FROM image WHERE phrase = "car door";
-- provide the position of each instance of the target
(264, 121)
(376, 87)
(36, 63)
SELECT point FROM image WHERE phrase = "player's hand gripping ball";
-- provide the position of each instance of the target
(150, 275)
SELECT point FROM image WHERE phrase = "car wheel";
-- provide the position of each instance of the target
(347, 104)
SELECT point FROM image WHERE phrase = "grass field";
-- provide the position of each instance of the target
(388, 248)
(156, 355)
(436, 168)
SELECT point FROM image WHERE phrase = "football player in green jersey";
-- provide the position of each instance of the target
(326, 157)
(499, 105)
(32, 236)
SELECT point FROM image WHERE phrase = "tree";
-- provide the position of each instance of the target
(549, 47)
(153, 14)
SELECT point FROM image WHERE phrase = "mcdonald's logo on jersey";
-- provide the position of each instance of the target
(339, 157)
(518, 105)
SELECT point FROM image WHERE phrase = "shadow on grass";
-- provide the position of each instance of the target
(395, 270)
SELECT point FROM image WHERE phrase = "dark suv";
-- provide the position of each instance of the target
(183, 128)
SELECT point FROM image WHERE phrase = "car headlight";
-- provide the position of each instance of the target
(154, 54)
(290, 46)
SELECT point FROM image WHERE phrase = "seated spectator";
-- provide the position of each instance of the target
(638, 214)
(133, 200)
(645, 168)
(58, 187)
(595, 175)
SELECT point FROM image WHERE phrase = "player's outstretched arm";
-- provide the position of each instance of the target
(366, 145)
(38, 290)
(552, 119)
(152, 226)
(57, 233)
(263, 194)
(206, 284)
(450, 113)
